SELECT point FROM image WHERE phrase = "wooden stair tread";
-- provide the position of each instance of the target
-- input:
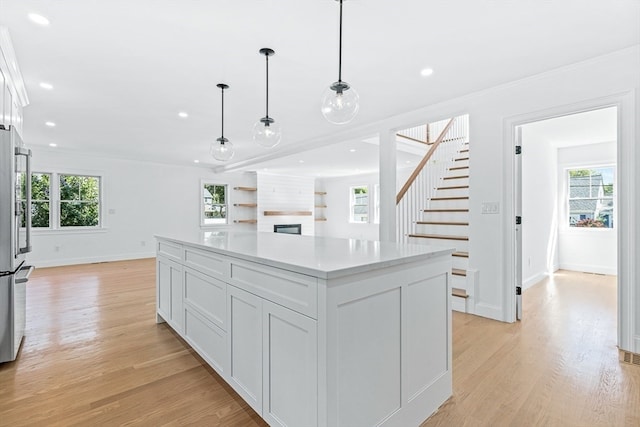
(458, 168)
(446, 210)
(460, 293)
(459, 159)
(442, 223)
(466, 150)
(439, 236)
(453, 187)
(451, 198)
(456, 177)
(459, 272)
(461, 254)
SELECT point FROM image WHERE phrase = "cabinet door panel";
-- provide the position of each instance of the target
(244, 313)
(164, 288)
(207, 295)
(290, 371)
(208, 340)
(169, 292)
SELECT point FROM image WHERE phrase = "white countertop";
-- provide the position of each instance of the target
(323, 257)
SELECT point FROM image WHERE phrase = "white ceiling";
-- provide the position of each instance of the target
(123, 69)
(589, 127)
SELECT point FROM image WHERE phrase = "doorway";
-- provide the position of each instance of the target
(569, 195)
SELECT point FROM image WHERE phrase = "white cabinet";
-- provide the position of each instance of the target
(245, 345)
(290, 367)
(13, 96)
(169, 292)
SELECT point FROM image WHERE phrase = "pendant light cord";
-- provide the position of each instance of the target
(340, 48)
(267, 106)
(222, 89)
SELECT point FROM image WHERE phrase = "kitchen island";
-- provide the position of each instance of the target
(314, 331)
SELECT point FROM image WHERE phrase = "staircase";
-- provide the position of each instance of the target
(443, 212)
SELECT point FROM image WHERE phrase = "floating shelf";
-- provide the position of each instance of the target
(246, 205)
(245, 221)
(320, 193)
(245, 188)
(288, 213)
(321, 219)
(321, 206)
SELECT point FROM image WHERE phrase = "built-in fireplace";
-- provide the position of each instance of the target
(287, 228)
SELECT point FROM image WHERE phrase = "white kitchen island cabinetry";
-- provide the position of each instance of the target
(314, 331)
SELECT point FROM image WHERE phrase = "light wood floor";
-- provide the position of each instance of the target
(93, 356)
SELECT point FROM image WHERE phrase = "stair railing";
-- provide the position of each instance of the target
(420, 187)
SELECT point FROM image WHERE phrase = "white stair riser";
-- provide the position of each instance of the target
(460, 262)
(449, 230)
(459, 245)
(448, 204)
(446, 216)
(459, 282)
(457, 181)
(459, 304)
(452, 192)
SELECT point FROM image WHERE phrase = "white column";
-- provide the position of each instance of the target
(387, 227)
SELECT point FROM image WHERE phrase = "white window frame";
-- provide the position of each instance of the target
(50, 201)
(352, 204)
(376, 204)
(227, 195)
(567, 210)
(55, 203)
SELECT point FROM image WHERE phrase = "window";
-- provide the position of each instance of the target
(79, 201)
(214, 206)
(591, 197)
(77, 197)
(359, 204)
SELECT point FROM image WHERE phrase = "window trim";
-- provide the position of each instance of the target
(566, 227)
(352, 204)
(227, 196)
(54, 203)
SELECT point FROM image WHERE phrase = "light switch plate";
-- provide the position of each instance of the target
(490, 207)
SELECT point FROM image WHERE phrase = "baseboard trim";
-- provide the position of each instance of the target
(491, 311)
(526, 284)
(588, 268)
(90, 260)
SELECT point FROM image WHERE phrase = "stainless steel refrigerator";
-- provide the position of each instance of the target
(15, 239)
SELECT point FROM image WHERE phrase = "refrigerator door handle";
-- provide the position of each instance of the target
(27, 154)
(22, 276)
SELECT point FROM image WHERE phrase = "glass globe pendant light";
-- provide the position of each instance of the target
(222, 149)
(266, 132)
(340, 101)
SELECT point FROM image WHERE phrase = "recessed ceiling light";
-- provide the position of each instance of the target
(196, 161)
(45, 85)
(38, 19)
(425, 72)
(183, 114)
(408, 161)
(50, 124)
(53, 145)
(353, 150)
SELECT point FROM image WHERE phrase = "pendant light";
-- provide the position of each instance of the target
(266, 132)
(340, 100)
(222, 149)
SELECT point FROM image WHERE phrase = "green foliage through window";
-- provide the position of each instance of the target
(215, 204)
(79, 201)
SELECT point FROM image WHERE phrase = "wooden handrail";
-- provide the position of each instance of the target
(423, 162)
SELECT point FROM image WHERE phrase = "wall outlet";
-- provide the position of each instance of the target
(112, 211)
(490, 207)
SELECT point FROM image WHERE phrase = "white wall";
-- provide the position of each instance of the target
(285, 193)
(539, 208)
(145, 199)
(337, 210)
(590, 250)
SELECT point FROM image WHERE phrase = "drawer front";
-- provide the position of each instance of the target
(207, 339)
(207, 262)
(170, 250)
(292, 290)
(207, 295)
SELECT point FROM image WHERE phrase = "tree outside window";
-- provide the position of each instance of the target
(79, 201)
(215, 204)
(591, 197)
(359, 203)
